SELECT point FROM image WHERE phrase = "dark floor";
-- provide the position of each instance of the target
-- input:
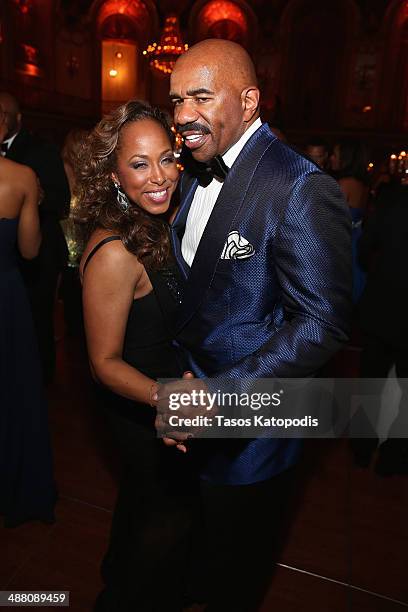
(347, 549)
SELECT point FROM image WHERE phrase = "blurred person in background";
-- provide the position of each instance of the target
(41, 274)
(349, 162)
(74, 231)
(27, 490)
(318, 151)
(383, 320)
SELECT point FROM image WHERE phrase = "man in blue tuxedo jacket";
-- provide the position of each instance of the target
(262, 238)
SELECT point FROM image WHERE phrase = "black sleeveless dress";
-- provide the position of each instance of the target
(148, 339)
(27, 489)
(152, 517)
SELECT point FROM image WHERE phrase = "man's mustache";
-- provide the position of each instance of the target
(193, 127)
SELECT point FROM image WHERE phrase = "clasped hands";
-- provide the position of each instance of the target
(177, 404)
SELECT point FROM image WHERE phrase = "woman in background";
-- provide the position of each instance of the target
(128, 175)
(27, 489)
(70, 288)
(73, 231)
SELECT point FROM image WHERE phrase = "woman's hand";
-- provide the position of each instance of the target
(181, 445)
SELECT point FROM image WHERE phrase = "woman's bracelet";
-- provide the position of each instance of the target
(153, 389)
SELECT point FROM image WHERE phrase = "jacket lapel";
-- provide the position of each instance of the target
(221, 221)
(187, 190)
(17, 149)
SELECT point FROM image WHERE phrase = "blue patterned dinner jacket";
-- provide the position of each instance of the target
(283, 309)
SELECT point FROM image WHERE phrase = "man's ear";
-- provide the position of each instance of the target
(250, 102)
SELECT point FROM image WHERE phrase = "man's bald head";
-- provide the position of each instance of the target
(10, 107)
(224, 56)
(215, 95)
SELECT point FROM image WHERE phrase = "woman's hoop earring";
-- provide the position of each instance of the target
(121, 198)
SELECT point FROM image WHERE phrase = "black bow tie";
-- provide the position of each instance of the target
(4, 147)
(205, 173)
(217, 168)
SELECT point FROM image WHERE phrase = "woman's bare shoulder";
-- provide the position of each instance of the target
(16, 172)
(16, 182)
(112, 255)
(355, 191)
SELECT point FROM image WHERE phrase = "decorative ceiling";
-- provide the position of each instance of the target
(262, 8)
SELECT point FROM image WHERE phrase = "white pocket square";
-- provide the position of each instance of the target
(237, 247)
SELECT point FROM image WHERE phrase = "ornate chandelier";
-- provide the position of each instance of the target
(163, 56)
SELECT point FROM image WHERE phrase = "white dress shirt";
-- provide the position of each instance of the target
(205, 198)
(8, 142)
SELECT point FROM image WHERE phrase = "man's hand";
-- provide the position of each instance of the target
(184, 399)
(171, 441)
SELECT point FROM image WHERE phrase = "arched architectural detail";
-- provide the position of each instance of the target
(143, 14)
(393, 91)
(228, 19)
(123, 29)
(395, 15)
(32, 29)
(317, 41)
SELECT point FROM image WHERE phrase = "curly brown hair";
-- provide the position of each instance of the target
(144, 235)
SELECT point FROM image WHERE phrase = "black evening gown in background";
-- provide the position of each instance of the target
(27, 489)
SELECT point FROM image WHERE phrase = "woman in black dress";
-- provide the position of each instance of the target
(128, 174)
(27, 489)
